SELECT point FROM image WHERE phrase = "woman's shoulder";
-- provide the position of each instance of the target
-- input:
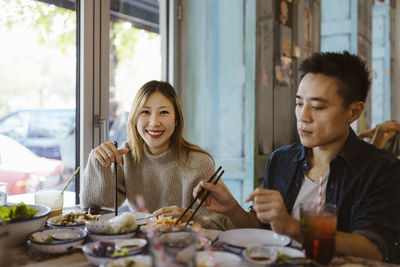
(198, 159)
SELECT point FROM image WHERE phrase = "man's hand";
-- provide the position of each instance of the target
(220, 200)
(270, 208)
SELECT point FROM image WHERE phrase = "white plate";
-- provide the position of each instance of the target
(53, 222)
(37, 240)
(217, 258)
(140, 260)
(242, 238)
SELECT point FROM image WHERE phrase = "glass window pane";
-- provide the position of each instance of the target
(135, 57)
(37, 103)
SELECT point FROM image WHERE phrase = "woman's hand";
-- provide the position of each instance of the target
(174, 212)
(107, 153)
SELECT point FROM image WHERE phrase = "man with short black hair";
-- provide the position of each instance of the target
(361, 180)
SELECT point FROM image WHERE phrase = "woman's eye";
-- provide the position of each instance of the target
(164, 112)
(318, 108)
(299, 104)
(145, 112)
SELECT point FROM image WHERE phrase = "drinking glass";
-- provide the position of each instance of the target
(174, 249)
(318, 228)
(51, 198)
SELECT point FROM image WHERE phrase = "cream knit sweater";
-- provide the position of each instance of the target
(158, 178)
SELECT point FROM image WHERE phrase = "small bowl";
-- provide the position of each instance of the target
(99, 237)
(64, 240)
(134, 245)
(98, 227)
(260, 254)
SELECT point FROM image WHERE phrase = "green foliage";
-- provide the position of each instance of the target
(124, 40)
(52, 23)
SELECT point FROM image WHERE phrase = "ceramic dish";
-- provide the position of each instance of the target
(217, 258)
(99, 237)
(242, 238)
(54, 241)
(138, 260)
(141, 217)
(19, 230)
(288, 252)
(95, 259)
(260, 255)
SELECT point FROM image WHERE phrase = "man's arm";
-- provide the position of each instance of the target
(356, 245)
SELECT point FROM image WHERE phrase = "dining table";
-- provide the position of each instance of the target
(26, 256)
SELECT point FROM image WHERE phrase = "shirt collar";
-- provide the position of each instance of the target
(348, 151)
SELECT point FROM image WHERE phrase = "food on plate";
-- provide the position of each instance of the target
(107, 249)
(17, 212)
(202, 242)
(73, 218)
(280, 259)
(123, 223)
(167, 224)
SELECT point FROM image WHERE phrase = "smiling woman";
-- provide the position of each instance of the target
(156, 161)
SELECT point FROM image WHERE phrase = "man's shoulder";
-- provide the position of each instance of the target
(371, 155)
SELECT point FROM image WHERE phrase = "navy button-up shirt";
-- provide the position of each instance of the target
(364, 183)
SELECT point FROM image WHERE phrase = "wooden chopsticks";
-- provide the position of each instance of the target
(199, 194)
(116, 183)
(204, 199)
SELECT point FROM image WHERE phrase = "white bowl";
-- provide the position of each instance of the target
(99, 237)
(260, 255)
(65, 239)
(134, 245)
(98, 260)
(19, 231)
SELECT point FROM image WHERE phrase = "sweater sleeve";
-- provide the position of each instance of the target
(97, 188)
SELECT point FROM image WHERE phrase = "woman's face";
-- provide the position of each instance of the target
(156, 122)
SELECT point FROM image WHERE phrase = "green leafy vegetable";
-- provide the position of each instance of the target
(17, 212)
(4, 214)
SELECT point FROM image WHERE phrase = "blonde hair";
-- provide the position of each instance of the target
(178, 144)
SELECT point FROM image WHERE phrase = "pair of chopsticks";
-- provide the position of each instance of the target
(198, 195)
(116, 183)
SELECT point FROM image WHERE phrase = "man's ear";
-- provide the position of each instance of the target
(354, 110)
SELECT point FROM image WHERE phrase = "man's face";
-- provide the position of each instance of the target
(322, 120)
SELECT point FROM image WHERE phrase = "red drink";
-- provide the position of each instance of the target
(318, 228)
